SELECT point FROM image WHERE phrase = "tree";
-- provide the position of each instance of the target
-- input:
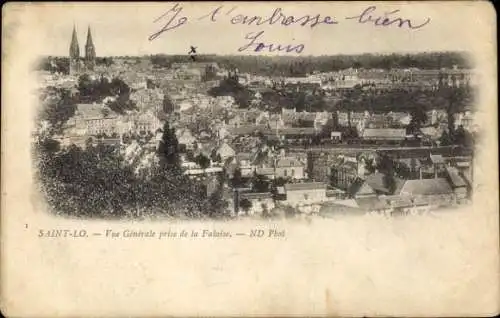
(237, 180)
(202, 161)
(418, 117)
(462, 137)
(246, 205)
(168, 149)
(85, 85)
(260, 183)
(57, 107)
(389, 182)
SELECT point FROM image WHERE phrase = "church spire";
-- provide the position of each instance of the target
(89, 38)
(74, 48)
(89, 50)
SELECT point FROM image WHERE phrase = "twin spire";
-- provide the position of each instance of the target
(74, 49)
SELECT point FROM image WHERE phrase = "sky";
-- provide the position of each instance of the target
(124, 28)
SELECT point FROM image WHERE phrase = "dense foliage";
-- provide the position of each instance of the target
(57, 106)
(98, 181)
(299, 66)
(96, 90)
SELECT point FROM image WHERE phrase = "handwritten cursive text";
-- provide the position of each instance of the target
(369, 16)
(167, 26)
(257, 46)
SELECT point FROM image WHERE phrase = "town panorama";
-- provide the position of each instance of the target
(208, 136)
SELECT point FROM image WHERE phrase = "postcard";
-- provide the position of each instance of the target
(249, 159)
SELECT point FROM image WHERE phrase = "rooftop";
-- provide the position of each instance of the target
(455, 178)
(435, 186)
(305, 186)
(384, 133)
(288, 162)
(254, 196)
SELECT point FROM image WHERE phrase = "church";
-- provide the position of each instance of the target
(79, 65)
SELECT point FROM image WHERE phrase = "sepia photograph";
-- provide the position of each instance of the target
(254, 159)
(235, 136)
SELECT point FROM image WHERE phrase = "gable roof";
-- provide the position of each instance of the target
(360, 187)
(225, 150)
(426, 187)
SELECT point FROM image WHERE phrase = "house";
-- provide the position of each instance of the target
(360, 189)
(186, 138)
(266, 171)
(289, 168)
(146, 122)
(306, 192)
(225, 151)
(95, 119)
(336, 136)
(374, 184)
(242, 161)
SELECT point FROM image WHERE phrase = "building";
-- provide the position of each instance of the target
(76, 64)
(185, 138)
(389, 134)
(289, 168)
(306, 192)
(94, 119)
(425, 187)
(225, 151)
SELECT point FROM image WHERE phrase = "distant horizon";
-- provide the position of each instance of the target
(286, 56)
